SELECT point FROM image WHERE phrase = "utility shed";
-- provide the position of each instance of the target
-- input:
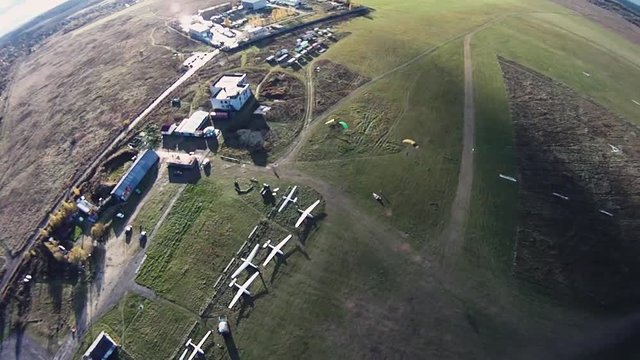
(102, 348)
(128, 183)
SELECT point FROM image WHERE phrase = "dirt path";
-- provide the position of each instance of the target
(114, 280)
(453, 235)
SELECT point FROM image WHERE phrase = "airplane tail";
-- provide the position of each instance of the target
(266, 244)
(294, 200)
(233, 282)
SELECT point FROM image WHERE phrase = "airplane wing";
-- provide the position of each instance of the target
(243, 289)
(248, 282)
(239, 269)
(236, 297)
(306, 213)
(203, 340)
(287, 199)
(275, 250)
(245, 262)
(281, 243)
(184, 354)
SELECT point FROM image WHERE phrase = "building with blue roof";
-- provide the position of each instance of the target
(130, 181)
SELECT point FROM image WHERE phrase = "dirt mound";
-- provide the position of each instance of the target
(285, 95)
(118, 159)
(333, 82)
(580, 242)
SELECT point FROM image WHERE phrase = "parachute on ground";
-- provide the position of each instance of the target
(344, 124)
(410, 142)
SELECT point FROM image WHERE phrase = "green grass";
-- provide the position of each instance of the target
(563, 56)
(155, 206)
(400, 30)
(203, 230)
(418, 182)
(141, 331)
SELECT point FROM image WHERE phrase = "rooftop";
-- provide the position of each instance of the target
(198, 27)
(179, 159)
(190, 125)
(229, 86)
(101, 348)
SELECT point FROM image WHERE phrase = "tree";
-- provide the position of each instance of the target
(69, 207)
(52, 246)
(43, 234)
(98, 231)
(56, 219)
(87, 246)
(77, 255)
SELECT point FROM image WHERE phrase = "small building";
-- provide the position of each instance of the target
(230, 92)
(200, 31)
(193, 125)
(132, 178)
(254, 4)
(102, 348)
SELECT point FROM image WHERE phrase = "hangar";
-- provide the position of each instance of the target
(132, 178)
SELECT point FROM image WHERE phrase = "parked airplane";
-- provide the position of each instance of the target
(242, 289)
(275, 249)
(197, 349)
(288, 198)
(306, 213)
(246, 262)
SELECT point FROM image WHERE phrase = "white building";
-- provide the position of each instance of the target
(254, 4)
(230, 92)
(200, 31)
(193, 125)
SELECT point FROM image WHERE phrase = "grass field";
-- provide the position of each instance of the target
(201, 233)
(418, 182)
(135, 324)
(372, 285)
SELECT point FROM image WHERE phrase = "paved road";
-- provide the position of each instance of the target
(453, 235)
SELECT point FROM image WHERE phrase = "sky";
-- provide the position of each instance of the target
(14, 13)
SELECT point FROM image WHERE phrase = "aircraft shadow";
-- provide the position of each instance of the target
(232, 349)
(248, 304)
(309, 226)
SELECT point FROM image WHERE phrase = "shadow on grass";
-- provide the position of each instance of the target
(310, 224)
(248, 304)
(232, 349)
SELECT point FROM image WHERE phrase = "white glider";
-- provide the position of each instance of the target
(197, 349)
(510, 178)
(289, 198)
(242, 289)
(307, 213)
(275, 249)
(246, 262)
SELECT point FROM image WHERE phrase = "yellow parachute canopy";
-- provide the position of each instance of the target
(330, 122)
(409, 142)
